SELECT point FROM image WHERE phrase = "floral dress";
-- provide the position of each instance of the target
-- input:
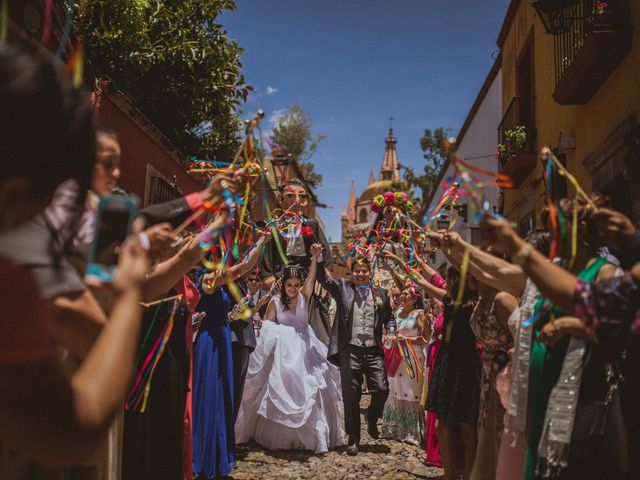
(403, 418)
(496, 339)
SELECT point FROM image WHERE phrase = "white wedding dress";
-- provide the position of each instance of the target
(292, 395)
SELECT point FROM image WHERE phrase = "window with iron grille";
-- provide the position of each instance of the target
(162, 191)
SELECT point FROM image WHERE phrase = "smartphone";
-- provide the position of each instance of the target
(113, 225)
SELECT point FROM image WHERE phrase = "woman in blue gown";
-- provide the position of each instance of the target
(213, 438)
(213, 408)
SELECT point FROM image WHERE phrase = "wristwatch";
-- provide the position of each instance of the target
(523, 254)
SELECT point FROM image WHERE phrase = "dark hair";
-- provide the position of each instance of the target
(539, 238)
(290, 272)
(46, 129)
(590, 238)
(46, 124)
(295, 182)
(454, 281)
(415, 294)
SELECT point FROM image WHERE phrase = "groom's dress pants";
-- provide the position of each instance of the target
(354, 363)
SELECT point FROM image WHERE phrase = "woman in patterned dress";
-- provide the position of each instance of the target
(403, 418)
(489, 323)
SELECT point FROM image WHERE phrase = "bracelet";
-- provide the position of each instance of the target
(145, 243)
(522, 255)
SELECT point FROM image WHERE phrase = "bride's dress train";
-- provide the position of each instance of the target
(292, 393)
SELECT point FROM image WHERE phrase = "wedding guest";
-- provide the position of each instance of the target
(512, 382)
(213, 389)
(244, 328)
(44, 121)
(403, 417)
(550, 362)
(454, 388)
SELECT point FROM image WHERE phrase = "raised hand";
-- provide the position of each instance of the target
(316, 250)
(161, 240)
(222, 181)
(615, 228)
(499, 234)
(451, 238)
(436, 239)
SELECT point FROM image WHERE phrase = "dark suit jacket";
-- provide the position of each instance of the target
(175, 212)
(271, 263)
(243, 329)
(344, 292)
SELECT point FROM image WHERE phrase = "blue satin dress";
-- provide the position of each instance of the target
(214, 452)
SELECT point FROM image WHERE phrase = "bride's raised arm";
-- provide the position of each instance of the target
(310, 282)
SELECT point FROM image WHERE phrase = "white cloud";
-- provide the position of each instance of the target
(271, 90)
(276, 116)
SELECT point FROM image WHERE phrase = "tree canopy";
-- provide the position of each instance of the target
(293, 132)
(433, 145)
(177, 64)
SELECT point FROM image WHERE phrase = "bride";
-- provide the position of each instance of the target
(292, 393)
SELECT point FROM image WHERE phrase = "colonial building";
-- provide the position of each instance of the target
(570, 74)
(356, 214)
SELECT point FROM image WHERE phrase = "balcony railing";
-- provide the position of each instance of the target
(595, 38)
(517, 136)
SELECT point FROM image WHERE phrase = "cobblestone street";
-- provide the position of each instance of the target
(378, 459)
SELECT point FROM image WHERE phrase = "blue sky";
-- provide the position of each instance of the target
(353, 63)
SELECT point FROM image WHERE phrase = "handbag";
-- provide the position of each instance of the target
(392, 359)
(599, 446)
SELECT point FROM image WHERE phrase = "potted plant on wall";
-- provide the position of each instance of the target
(514, 141)
(601, 17)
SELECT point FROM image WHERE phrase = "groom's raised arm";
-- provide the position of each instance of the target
(329, 284)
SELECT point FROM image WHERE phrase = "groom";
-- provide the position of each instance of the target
(355, 346)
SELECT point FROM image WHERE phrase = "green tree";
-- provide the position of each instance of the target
(293, 132)
(433, 146)
(176, 63)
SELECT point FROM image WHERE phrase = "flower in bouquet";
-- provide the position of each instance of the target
(378, 204)
(400, 198)
(307, 232)
(389, 198)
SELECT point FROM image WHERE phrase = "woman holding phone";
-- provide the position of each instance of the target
(45, 122)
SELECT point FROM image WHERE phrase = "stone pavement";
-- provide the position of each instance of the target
(378, 459)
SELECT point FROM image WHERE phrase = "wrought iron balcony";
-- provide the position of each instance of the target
(517, 136)
(595, 38)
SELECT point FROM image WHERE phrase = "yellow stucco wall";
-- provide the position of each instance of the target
(589, 124)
